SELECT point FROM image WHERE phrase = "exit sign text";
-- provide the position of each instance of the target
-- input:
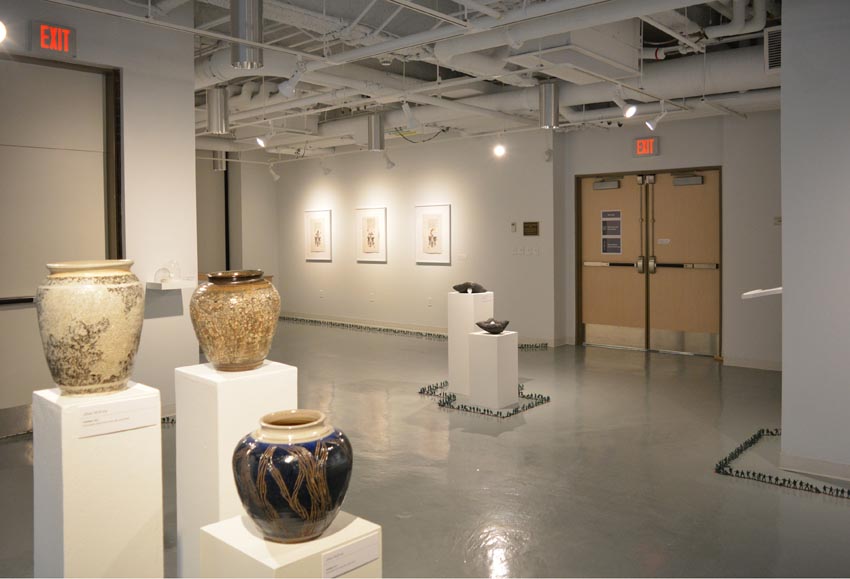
(52, 39)
(645, 147)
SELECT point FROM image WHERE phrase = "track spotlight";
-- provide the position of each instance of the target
(2, 32)
(390, 163)
(275, 176)
(287, 87)
(653, 123)
(499, 150)
(412, 123)
(628, 110)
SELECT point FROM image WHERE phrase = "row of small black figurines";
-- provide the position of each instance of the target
(448, 399)
(724, 467)
(391, 331)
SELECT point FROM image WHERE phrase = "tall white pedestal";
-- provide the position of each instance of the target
(214, 411)
(351, 547)
(493, 369)
(464, 310)
(97, 482)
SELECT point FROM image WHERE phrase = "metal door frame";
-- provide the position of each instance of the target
(577, 188)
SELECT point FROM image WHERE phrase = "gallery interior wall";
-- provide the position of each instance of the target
(158, 161)
(210, 207)
(815, 205)
(487, 195)
(747, 150)
(253, 205)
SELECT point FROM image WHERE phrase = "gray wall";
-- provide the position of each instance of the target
(816, 207)
(157, 69)
(52, 199)
(210, 208)
(747, 150)
(486, 195)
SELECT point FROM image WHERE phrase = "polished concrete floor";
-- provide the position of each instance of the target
(612, 478)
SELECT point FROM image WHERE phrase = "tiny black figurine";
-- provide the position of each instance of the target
(469, 287)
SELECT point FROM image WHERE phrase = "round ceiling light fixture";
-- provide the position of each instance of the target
(499, 150)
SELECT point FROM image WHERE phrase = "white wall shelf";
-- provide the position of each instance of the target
(760, 293)
(171, 284)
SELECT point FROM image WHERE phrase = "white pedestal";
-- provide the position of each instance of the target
(493, 369)
(97, 482)
(464, 310)
(351, 547)
(214, 411)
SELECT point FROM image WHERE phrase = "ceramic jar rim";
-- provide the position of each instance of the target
(299, 419)
(89, 264)
(235, 277)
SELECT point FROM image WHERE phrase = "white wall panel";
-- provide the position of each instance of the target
(486, 195)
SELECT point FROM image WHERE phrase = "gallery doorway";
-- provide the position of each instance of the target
(649, 261)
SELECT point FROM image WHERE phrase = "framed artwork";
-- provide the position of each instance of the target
(317, 235)
(434, 234)
(371, 242)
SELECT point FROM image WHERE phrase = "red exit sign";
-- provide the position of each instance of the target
(645, 147)
(53, 39)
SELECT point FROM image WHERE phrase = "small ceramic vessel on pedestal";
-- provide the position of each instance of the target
(292, 474)
(235, 315)
(90, 317)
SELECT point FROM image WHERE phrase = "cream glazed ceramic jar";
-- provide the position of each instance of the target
(235, 316)
(90, 317)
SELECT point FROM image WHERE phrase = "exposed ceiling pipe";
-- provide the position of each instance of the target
(739, 25)
(670, 32)
(557, 23)
(761, 98)
(480, 7)
(420, 9)
(724, 72)
(759, 19)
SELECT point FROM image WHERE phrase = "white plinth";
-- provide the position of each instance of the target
(351, 547)
(97, 481)
(493, 369)
(464, 310)
(214, 411)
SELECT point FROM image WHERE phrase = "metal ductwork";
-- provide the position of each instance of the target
(246, 23)
(550, 106)
(217, 111)
(219, 161)
(739, 23)
(375, 132)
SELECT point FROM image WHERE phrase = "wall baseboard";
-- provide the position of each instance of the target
(390, 327)
(814, 467)
(771, 365)
(15, 420)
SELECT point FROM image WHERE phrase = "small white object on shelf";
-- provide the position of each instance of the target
(351, 547)
(464, 310)
(493, 369)
(214, 411)
(171, 284)
(760, 293)
(97, 481)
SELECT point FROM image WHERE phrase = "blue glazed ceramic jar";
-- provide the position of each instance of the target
(292, 474)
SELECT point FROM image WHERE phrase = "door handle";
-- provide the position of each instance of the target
(653, 267)
(639, 264)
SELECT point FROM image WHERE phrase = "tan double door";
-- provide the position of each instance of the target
(650, 261)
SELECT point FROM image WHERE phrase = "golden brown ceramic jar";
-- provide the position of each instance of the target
(235, 316)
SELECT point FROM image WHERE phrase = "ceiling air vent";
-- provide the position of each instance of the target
(773, 50)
